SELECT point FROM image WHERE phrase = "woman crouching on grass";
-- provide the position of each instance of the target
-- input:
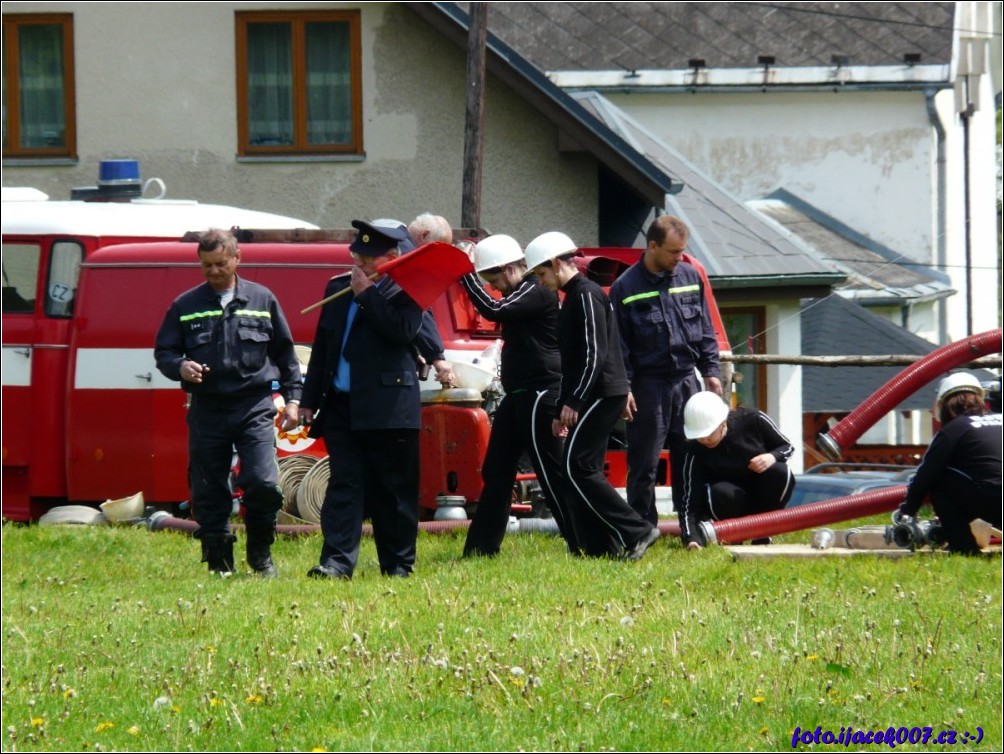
(594, 390)
(961, 469)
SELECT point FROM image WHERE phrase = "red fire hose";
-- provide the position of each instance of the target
(883, 400)
(730, 531)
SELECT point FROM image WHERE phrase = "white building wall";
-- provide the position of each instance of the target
(868, 158)
(784, 381)
(863, 157)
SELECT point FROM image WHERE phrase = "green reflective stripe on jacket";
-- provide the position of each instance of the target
(671, 291)
(637, 296)
(251, 313)
(684, 289)
(200, 315)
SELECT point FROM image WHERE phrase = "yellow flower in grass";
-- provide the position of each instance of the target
(812, 657)
(254, 699)
(759, 699)
(102, 727)
(37, 722)
(215, 702)
(133, 731)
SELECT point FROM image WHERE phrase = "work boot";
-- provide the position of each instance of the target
(218, 552)
(260, 539)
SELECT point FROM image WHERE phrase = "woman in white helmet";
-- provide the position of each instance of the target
(735, 465)
(530, 373)
(594, 390)
(961, 470)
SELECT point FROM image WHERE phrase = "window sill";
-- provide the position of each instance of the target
(31, 162)
(301, 158)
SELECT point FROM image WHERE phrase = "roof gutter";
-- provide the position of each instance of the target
(776, 281)
(762, 79)
(556, 105)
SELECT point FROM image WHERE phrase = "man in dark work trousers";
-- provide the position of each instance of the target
(363, 390)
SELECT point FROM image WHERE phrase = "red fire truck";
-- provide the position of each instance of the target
(88, 417)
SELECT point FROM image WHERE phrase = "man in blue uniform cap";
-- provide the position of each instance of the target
(362, 386)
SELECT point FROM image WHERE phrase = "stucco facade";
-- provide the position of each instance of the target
(872, 159)
(157, 82)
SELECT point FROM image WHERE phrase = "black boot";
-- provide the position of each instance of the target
(260, 538)
(218, 552)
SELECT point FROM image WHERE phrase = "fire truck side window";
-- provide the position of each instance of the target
(64, 272)
(20, 277)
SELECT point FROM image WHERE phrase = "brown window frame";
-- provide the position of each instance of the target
(12, 23)
(298, 21)
(759, 317)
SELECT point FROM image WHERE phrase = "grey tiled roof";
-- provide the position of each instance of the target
(875, 273)
(728, 238)
(836, 327)
(641, 35)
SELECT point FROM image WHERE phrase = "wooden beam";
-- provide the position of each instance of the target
(470, 211)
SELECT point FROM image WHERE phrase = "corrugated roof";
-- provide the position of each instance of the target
(875, 273)
(727, 237)
(642, 35)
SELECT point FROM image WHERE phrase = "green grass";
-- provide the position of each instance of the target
(119, 639)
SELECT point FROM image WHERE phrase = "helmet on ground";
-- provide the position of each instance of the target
(496, 251)
(960, 382)
(548, 246)
(702, 414)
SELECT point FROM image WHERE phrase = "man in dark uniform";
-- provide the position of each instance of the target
(227, 341)
(362, 386)
(666, 337)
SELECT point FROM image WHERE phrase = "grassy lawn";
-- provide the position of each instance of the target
(117, 639)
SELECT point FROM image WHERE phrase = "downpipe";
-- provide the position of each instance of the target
(759, 525)
(848, 430)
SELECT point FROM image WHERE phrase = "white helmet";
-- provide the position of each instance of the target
(702, 414)
(496, 251)
(960, 382)
(548, 246)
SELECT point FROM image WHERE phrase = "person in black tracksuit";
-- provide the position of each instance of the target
(530, 374)
(736, 468)
(592, 399)
(961, 469)
(227, 341)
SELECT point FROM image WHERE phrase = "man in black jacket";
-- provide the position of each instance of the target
(530, 374)
(362, 386)
(227, 341)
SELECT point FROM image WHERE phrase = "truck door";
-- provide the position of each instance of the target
(39, 284)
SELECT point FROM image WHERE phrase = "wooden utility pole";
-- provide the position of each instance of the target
(477, 34)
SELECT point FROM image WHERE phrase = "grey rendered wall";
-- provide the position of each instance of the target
(157, 82)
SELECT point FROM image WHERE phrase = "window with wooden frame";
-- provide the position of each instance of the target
(299, 83)
(38, 92)
(745, 327)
